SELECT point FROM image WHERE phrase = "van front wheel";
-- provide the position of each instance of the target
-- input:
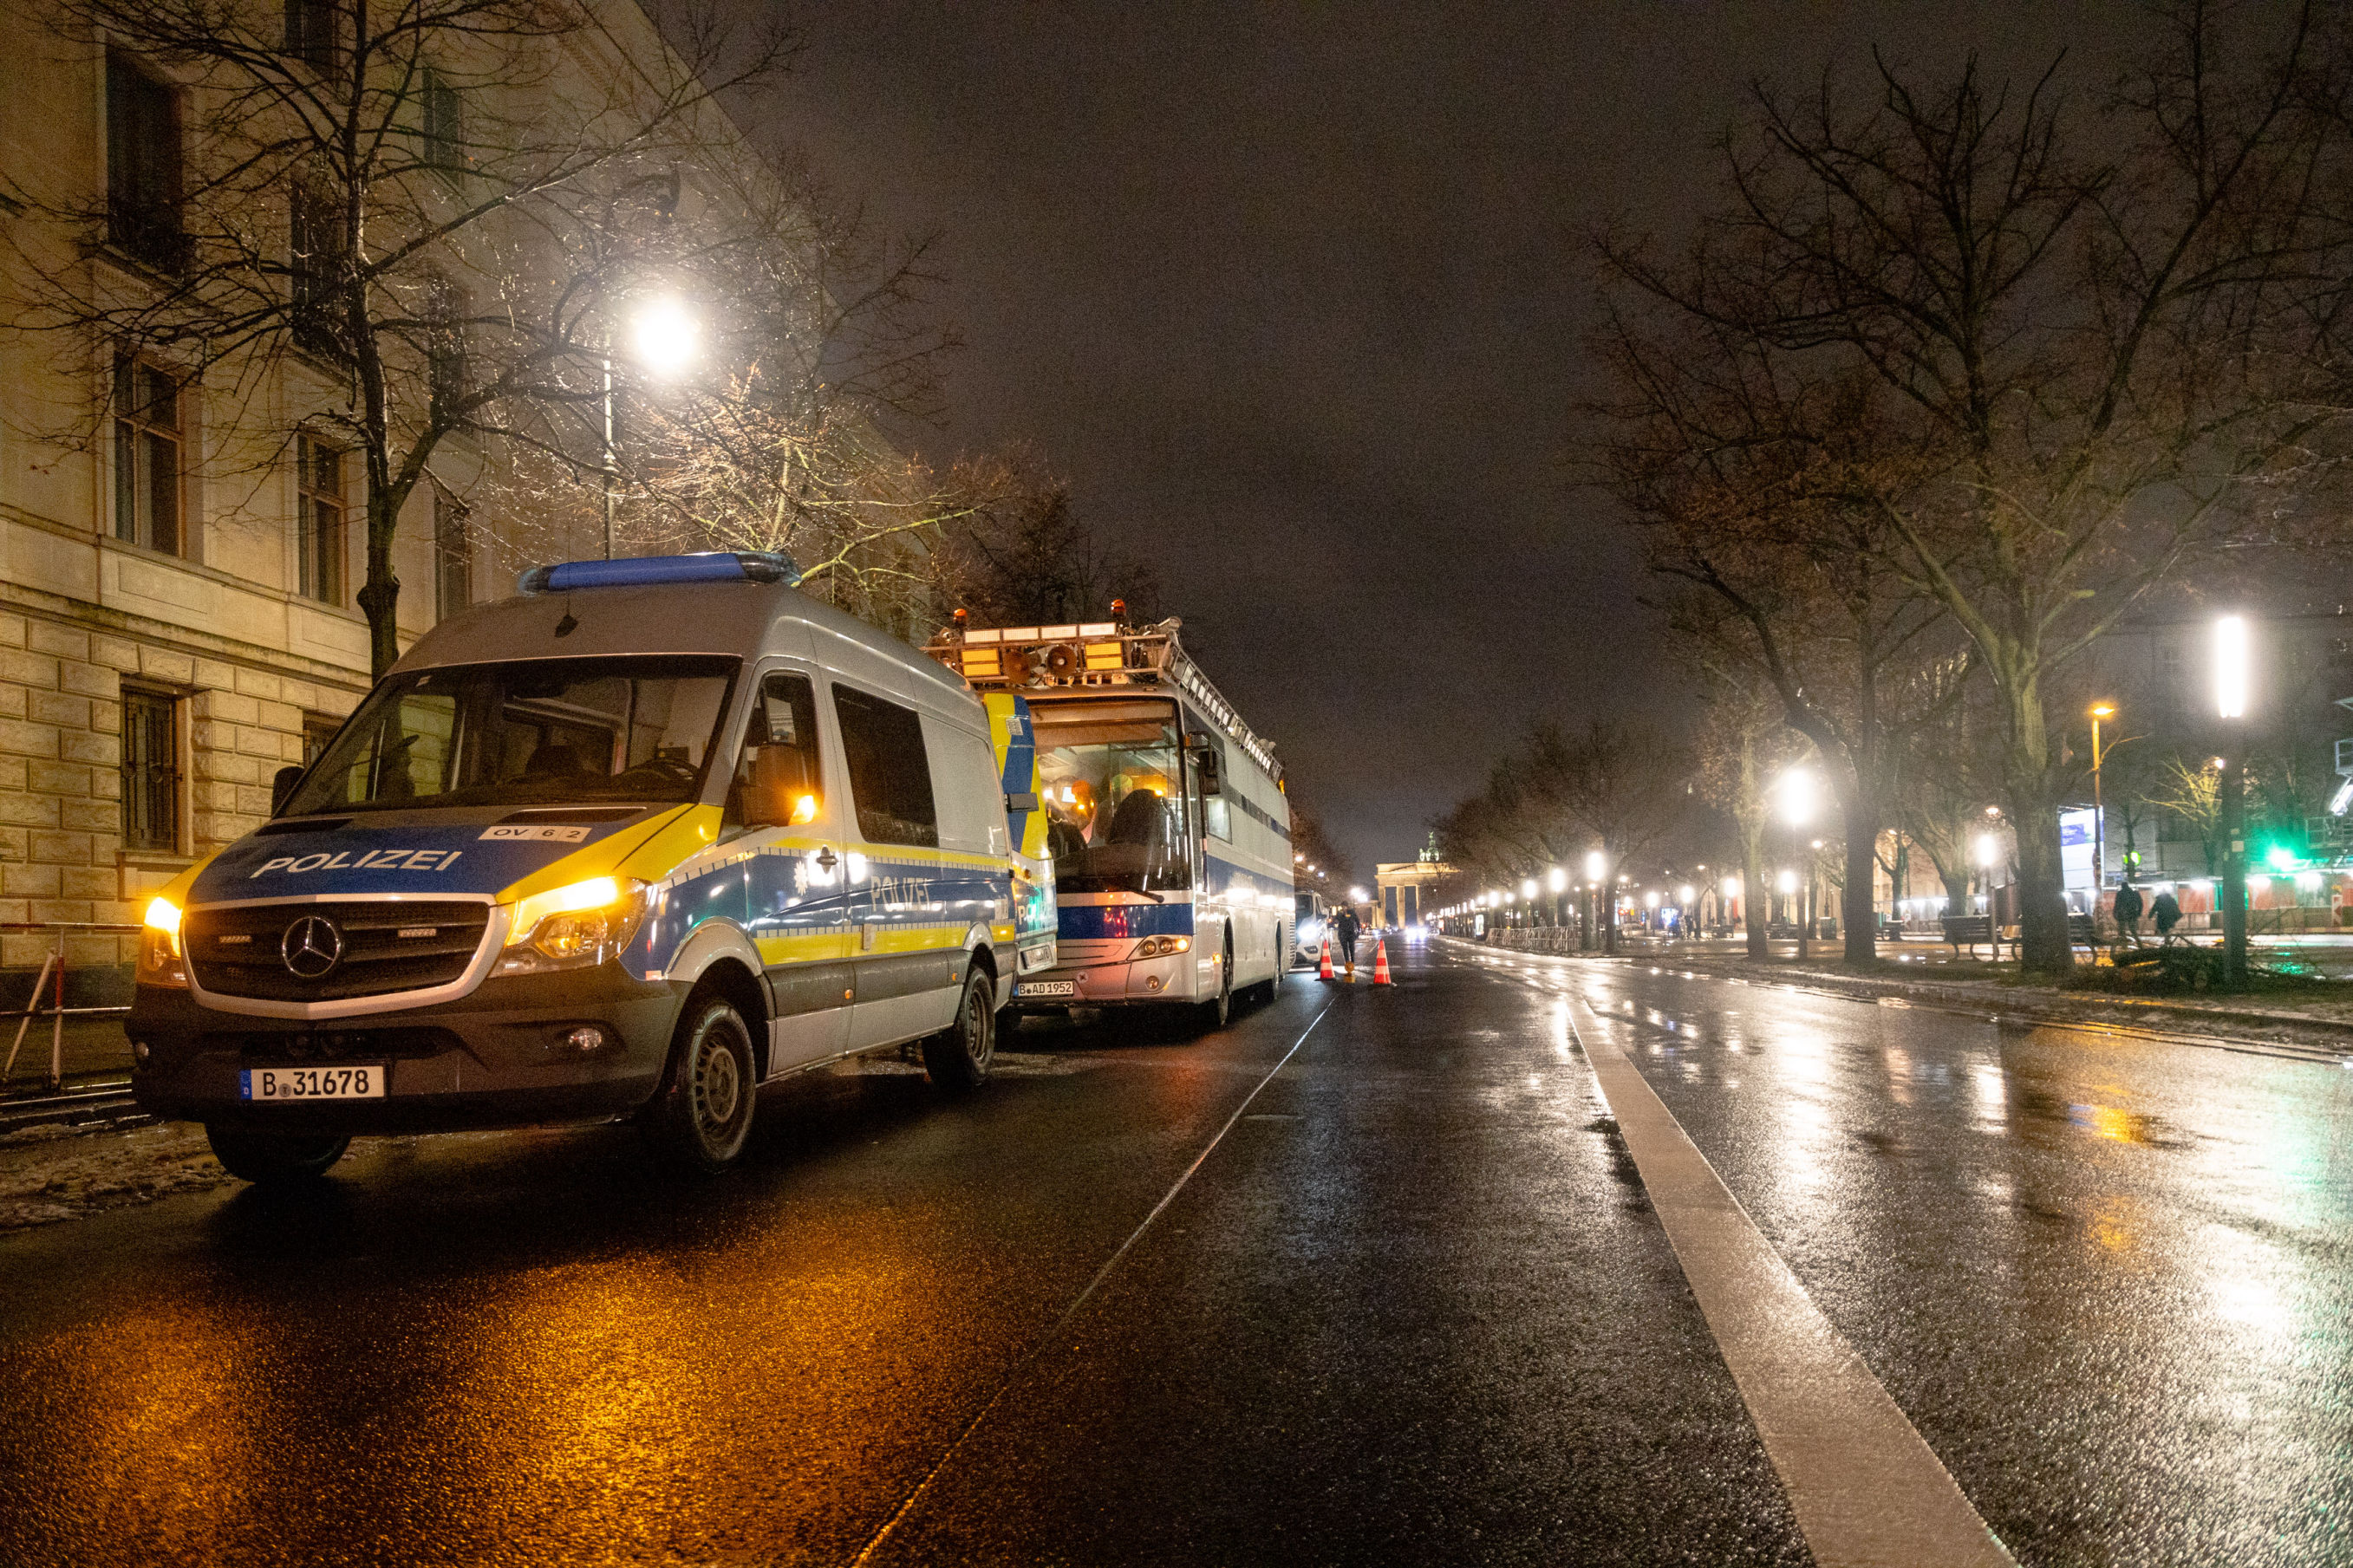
(958, 1056)
(268, 1158)
(699, 1121)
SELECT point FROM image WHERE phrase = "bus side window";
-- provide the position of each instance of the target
(778, 780)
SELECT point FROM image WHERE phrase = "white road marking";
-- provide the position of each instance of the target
(1867, 1489)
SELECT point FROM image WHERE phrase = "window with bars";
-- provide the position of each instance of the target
(149, 491)
(453, 559)
(319, 514)
(143, 165)
(151, 772)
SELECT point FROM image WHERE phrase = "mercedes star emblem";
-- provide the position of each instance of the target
(311, 946)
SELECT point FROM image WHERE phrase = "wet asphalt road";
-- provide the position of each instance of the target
(1413, 1306)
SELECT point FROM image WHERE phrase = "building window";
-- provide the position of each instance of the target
(315, 33)
(318, 729)
(148, 491)
(316, 266)
(319, 514)
(445, 130)
(151, 772)
(446, 308)
(453, 559)
(143, 165)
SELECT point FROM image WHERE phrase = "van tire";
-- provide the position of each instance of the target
(270, 1159)
(958, 1058)
(699, 1121)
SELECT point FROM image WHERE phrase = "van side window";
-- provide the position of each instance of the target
(890, 774)
(778, 782)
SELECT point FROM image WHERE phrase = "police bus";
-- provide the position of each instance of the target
(1165, 818)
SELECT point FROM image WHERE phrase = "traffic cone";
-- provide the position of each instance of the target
(1326, 972)
(1381, 961)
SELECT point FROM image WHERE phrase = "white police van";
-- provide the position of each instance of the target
(649, 835)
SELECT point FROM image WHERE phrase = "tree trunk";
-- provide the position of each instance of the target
(1752, 886)
(1857, 911)
(1956, 889)
(379, 595)
(2043, 948)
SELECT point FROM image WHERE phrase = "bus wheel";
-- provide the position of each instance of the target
(275, 1157)
(699, 1120)
(1216, 1014)
(958, 1056)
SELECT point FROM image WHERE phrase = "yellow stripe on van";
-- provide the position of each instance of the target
(650, 852)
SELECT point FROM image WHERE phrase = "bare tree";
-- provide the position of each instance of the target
(434, 207)
(1743, 744)
(2087, 331)
(1029, 558)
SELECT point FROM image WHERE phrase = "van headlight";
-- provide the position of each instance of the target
(159, 955)
(1160, 947)
(574, 926)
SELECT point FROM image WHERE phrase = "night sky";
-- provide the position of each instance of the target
(1295, 296)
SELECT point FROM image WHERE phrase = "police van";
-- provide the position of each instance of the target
(651, 833)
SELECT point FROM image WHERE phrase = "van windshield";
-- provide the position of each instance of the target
(1115, 797)
(535, 732)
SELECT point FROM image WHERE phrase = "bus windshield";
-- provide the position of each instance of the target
(532, 733)
(1115, 797)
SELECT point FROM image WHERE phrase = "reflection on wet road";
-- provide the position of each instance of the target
(2109, 1276)
(1414, 1307)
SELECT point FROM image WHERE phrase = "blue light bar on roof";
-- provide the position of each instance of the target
(638, 570)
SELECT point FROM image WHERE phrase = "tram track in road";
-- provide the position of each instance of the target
(1055, 1335)
(110, 1102)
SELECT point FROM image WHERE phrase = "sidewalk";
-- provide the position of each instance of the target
(2320, 1027)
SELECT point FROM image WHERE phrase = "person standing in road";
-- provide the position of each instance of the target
(2167, 914)
(1345, 929)
(2128, 913)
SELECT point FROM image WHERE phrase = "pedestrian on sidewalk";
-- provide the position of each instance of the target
(1345, 929)
(2128, 914)
(2167, 914)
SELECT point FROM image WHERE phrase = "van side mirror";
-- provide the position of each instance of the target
(283, 785)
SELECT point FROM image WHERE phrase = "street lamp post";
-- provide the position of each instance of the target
(2099, 815)
(1797, 791)
(2231, 704)
(663, 336)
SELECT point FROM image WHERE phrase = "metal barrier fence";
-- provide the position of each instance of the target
(54, 963)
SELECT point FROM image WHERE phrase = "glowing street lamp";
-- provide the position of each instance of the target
(1557, 879)
(1797, 792)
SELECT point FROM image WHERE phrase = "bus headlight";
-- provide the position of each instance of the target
(1160, 947)
(159, 946)
(573, 926)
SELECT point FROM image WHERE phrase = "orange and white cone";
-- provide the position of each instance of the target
(1381, 962)
(1325, 972)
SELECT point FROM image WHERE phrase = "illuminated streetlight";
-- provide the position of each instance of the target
(1797, 792)
(1786, 881)
(665, 336)
(1684, 894)
(1557, 879)
(1527, 887)
(1732, 886)
(1597, 866)
(1989, 850)
(2231, 667)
